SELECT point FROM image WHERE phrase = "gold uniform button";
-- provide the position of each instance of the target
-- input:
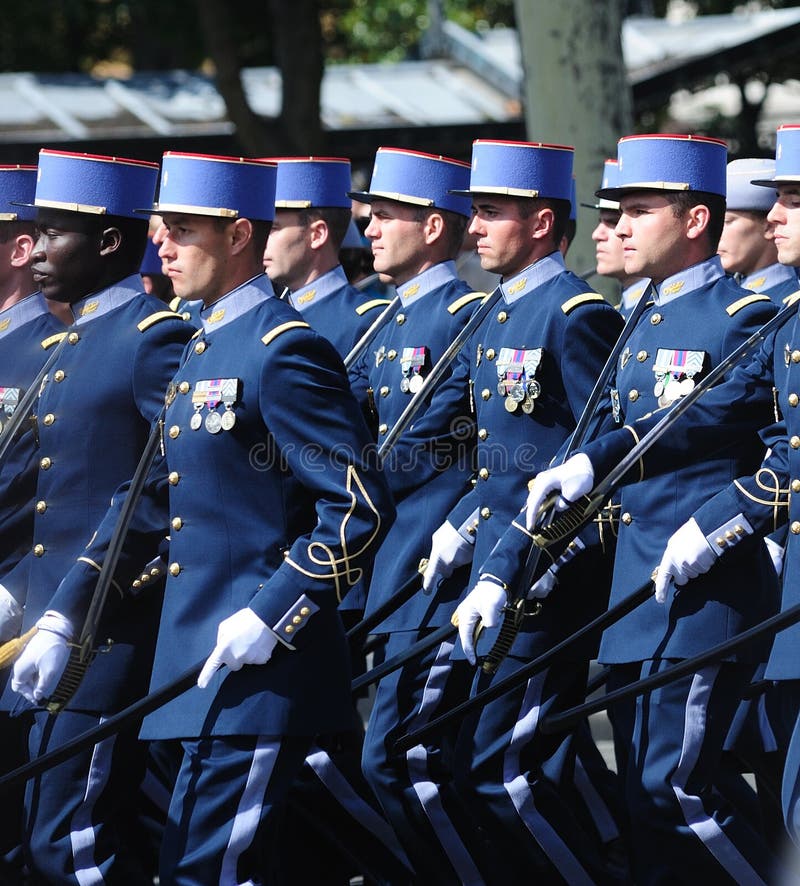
(486, 513)
(738, 529)
(173, 478)
(305, 611)
(176, 523)
(384, 391)
(795, 485)
(383, 429)
(502, 317)
(794, 442)
(795, 527)
(485, 394)
(729, 535)
(184, 387)
(48, 419)
(38, 550)
(45, 463)
(793, 399)
(795, 356)
(720, 542)
(656, 319)
(633, 395)
(641, 356)
(401, 319)
(59, 375)
(289, 629)
(174, 431)
(297, 620)
(41, 507)
(483, 434)
(174, 568)
(144, 578)
(73, 338)
(391, 355)
(627, 519)
(483, 473)
(490, 354)
(155, 572)
(200, 347)
(136, 583)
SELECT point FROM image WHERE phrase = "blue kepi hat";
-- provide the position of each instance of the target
(787, 157)
(666, 162)
(224, 187)
(742, 193)
(17, 192)
(304, 182)
(418, 179)
(94, 184)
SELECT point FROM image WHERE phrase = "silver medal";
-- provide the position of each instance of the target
(213, 422)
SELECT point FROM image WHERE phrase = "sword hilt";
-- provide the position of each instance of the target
(513, 616)
(568, 522)
(80, 657)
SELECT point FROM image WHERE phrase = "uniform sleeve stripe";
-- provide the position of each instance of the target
(53, 340)
(374, 303)
(284, 327)
(585, 298)
(157, 318)
(743, 302)
(465, 300)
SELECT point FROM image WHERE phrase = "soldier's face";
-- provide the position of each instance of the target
(608, 246)
(746, 243)
(194, 252)
(505, 239)
(398, 240)
(653, 237)
(66, 262)
(785, 220)
(287, 253)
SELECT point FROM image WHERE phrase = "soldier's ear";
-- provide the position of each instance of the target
(241, 233)
(110, 241)
(22, 251)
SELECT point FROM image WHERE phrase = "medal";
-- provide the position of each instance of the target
(672, 390)
(517, 393)
(228, 420)
(501, 388)
(213, 422)
(415, 383)
(658, 389)
(533, 388)
(196, 420)
(686, 385)
(405, 384)
(510, 405)
(527, 405)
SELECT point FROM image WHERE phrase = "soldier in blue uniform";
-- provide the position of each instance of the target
(530, 367)
(92, 418)
(416, 229)
(28, 331)
(269, 487)
(747, 245)
(756, 505)
(671, 192)
(608, 246)
(312, 215)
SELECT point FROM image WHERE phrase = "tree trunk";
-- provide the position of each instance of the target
(576, 92)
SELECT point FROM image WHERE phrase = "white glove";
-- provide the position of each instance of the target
(449, 550)
(544, 584)
(10, 616)
(572, 479)
(42, 662)
(242, 639)
(776, 554)
(483, 604)
(688, 554)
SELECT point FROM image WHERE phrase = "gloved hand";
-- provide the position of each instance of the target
(449, 550)
(10, 615)
(776, 552)
(483, 604)
(544, 584)
(687, 555)
(242, 639)
(572, 479)
(40, 666)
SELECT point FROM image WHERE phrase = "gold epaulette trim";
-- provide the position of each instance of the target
(96, 566)
(585, 298)
(641, 460)
(459, 303)
(53, 340)
(175, 303)
(157, 318)
(373, 303)
(791, 299)
(199, 332)
(744, 302)
(284, 327)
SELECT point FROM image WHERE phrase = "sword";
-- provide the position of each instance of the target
(772, 625)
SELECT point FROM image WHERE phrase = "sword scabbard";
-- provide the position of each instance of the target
(80, 657)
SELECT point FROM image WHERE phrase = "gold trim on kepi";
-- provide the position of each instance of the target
(161, 208)
(292, 204)
(71, 207)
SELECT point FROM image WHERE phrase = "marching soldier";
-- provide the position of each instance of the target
(312, 215)
(92, 418)
(272, 508)
(416, 229)
(531, 366)
(672, 196)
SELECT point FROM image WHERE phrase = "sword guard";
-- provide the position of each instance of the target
(513, 614)
(567, 523)
(80, 657)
